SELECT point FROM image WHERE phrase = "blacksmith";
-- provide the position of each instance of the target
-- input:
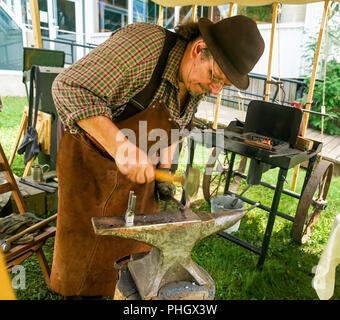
(111, 90)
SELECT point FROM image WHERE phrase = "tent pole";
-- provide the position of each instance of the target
(274, 19)
(36, 23)
(219, 96)
(313, 76)
(311, 86)
(194, 12)
(161, 16)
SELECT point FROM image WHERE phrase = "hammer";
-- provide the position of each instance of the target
(190, 183)
(6, 243)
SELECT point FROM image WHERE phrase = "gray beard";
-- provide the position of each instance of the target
(194, 94)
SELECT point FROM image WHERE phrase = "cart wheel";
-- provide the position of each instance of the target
(215, 173)
(312, 201)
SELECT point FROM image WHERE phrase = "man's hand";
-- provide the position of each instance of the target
(130, 160)
(134, 163)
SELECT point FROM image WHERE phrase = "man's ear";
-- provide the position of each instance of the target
(197, 48)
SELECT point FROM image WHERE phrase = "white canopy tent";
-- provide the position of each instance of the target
(195, 3)
(172, 3)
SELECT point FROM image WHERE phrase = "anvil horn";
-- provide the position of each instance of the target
(219, 221)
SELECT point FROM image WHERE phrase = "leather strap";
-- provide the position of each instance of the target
(34, 100)
(142, 99)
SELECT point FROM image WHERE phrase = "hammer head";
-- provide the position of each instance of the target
(192, 182)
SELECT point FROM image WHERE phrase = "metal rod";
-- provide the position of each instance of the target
(37, 186)
(271, 186)
(240, 242)
(265, 208)
(233, 203)
(308, 172)
(230, 170)
(271, 219)
(321, 114)
(284, 154)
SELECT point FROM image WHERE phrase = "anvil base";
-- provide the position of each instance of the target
(178, 290)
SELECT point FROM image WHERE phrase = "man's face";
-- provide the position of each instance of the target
(203, 75)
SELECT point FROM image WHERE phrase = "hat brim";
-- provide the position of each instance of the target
(241, 81)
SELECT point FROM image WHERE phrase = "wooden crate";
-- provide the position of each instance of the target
(37, 201)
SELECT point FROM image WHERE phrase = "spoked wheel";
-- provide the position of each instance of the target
(215, 173)
(312, 201)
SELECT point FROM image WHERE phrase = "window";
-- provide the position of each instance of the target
(153, 12)
(66, 15)
(169, 18)
(260, 14)
(43, 14)
(112, 15)
(10, 43)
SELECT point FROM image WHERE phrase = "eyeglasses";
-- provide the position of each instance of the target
(215, 80)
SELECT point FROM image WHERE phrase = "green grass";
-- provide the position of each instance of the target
(287, 272)
(10, 119)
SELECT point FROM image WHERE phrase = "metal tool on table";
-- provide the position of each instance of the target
(41, 186)
(6, 244)
(167, 271)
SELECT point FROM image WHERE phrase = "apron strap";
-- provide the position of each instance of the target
(142, 99)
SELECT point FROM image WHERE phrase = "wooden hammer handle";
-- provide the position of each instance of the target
(31, 228)
(169, 177)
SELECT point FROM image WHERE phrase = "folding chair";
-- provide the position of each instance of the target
(19, 253)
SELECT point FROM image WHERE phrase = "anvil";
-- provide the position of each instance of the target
(172, 236)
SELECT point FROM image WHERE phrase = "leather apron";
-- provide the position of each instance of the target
(91, 185)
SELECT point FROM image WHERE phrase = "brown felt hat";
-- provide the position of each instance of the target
(235, 44)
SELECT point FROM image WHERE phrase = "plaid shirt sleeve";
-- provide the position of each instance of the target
(103, 81)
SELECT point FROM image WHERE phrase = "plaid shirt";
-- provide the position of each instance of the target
(102, 82)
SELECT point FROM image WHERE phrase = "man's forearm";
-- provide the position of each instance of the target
(103, 130)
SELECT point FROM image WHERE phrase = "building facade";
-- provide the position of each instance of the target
(77, 26)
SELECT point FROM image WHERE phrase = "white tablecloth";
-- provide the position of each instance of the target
(324, 279)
